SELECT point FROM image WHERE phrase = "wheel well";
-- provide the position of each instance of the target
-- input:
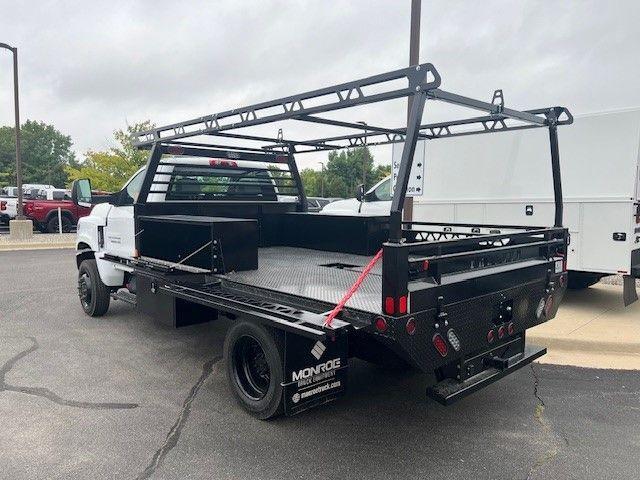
(64, 213)
(83, 253)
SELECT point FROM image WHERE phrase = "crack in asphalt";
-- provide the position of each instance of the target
(45, 392)
(550, 436)
(173, 436)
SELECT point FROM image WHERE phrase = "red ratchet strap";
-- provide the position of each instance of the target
(352, 290)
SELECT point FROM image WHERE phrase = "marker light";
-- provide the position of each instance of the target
(402, 304)
(511, 328)
(389, 306)
(453, 340)
(491, 336)
(411, 326)
(381, 324)
(502, 332)
(440, 345)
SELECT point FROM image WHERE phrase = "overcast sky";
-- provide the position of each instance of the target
(91, 67)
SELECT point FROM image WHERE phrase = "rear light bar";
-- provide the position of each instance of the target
(214, 162)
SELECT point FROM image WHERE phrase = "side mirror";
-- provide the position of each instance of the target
(81, 192)
(360, 192)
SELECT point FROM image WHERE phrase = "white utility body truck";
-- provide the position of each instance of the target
(600, 184)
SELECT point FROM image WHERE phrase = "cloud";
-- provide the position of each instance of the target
(89, 67)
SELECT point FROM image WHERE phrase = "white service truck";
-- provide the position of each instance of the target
(600, 183)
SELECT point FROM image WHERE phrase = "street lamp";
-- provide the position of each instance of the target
(322, 179)
(14, 50)
(365, 157)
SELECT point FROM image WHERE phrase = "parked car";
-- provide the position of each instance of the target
(315, 204)
(44, 213)
(8, 209)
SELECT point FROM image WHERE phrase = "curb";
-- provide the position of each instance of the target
(35, 246)
(586, 346)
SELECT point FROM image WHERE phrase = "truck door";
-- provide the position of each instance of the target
(119, 235)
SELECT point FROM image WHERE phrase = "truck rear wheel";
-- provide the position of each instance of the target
(253, 357)
(94, 295)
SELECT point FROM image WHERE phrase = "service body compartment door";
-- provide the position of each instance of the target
(315, 371)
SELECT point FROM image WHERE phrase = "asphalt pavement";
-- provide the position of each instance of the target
(121, 397)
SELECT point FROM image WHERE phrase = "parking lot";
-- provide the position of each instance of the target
(120, 397)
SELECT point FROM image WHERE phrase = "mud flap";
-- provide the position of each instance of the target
(315, 371)
(629, 292)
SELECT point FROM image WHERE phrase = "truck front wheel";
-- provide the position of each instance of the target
(254, 368)
(94, 295)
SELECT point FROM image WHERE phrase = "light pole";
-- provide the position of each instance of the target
(322, 179)
(14, 50)
(365, 157)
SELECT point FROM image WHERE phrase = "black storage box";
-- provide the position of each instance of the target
(357, 234)
(215, 244)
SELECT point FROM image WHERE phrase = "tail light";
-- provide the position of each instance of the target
(440, 344)
(511, 328)
(411, 326)
(390, 305)
(3, 205)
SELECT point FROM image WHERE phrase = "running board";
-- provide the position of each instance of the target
(449, 391)
(124, 296)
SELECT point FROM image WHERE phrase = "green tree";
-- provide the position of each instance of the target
(108, 170)
(45, 154)
(381, 172)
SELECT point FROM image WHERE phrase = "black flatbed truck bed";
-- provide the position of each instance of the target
(451, 300)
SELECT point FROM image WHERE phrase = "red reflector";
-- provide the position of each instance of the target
(548, 308)
(425, 265)
(411, 326)
(381, 324)
(511, 328)
(440, 344)
(501, 332)
(491, 336)
(402, 304)
(389, 306)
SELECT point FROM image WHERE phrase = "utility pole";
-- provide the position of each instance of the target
(414, 59)
(322, 179)
(17, 123)
(365, 156)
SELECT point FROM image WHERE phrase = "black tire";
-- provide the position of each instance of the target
(94, 295)
(253, 355)
(582, 280)
(53, 227)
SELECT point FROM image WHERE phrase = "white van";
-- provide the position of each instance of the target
(600, 170)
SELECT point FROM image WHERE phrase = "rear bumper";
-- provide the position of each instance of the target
(449, 391)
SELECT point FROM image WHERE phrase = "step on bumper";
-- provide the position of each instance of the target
(449, 391)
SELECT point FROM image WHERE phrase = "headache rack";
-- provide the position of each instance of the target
(419, 83)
